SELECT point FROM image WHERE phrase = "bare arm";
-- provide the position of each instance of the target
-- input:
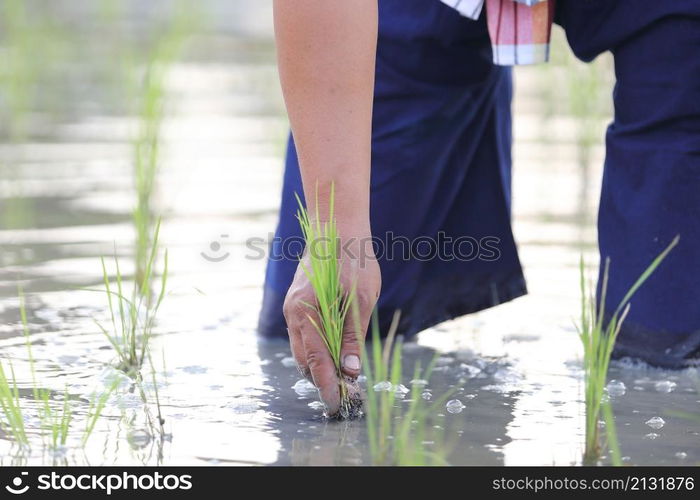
(326, 51)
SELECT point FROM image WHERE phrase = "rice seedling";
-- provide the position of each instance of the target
(691, 417)
(13, 423)
(55, 420)
(598, 332)
(333, 302)
(611, 434)
(133, 318)
(20, 69)
(398, 436)
(151, 99)
(94, 411)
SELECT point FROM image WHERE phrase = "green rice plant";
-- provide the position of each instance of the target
(598, 333)
(151, 98)
(133, 318)
(333, 301)
(398, 436)
(56, 421)
(95, 408)
(13, 423)
(691, 417)
(611, 434)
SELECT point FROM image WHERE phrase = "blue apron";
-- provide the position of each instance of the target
(651, 183)
(440, 187)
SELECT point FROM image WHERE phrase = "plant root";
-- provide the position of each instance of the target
(351, 403)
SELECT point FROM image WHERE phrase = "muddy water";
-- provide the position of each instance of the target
(65, 200)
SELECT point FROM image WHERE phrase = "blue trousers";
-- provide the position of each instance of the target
(441, 168)
(440, 186)
(651, 184)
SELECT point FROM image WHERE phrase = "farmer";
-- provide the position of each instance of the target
(438, 139)
(651, 183)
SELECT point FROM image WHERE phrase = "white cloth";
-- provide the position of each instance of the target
(472, 8)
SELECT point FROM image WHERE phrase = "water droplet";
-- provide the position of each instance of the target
(470, 371)
(651, 435)
(289, 362)
(304, 388)
(616, 388)
(427, 395)
(681, 455)
(383, 386)
(194, 369)
(317, 405)
(665, 386)
(401, 390)
(129, 402)
(243, 405)
(138, 438)
(656, 423)
(443, 361)
(455, 406)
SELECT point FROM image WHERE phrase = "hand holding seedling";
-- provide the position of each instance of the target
(322, 355)
(326, 53)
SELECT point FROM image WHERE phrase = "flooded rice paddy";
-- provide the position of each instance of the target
(66, 199)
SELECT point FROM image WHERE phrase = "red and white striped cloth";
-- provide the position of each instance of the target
(520, 30)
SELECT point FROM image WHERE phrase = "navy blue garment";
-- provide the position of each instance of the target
(441, 164)
(651, 184)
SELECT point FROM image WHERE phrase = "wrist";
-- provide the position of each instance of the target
(350, 206)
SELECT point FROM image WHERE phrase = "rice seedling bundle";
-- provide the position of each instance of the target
(598, 333)
(322, 267)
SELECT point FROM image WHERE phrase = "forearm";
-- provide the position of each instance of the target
(326, 51)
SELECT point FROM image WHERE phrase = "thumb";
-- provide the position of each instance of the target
(353, 341)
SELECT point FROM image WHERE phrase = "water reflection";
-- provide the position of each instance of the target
(66, 200)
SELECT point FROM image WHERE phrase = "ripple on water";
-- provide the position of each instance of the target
(383, 386)
(138, 438)
(656, 422)
(304, 388)
(288, 362)
(244, 405)
(194, 369)
(665, 386)
(455, 406)
(616, 388)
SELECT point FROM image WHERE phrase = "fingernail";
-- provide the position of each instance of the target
(352, 362)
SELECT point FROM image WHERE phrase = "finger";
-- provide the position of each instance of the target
(353, 340)
(320, 363)
(354, 331)
(298, 352)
